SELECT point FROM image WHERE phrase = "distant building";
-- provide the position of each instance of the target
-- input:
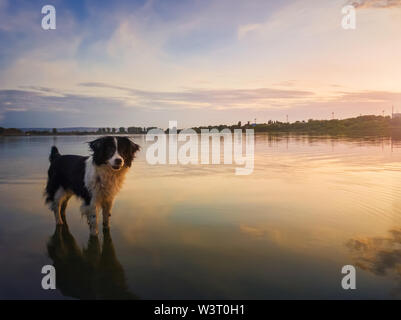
(396, 115)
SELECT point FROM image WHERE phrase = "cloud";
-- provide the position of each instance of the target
(187, 60)
(210, 98)
(369, 96)
(98, 103)
(38, 106)
(361, 4)
(243, 30)
(55, 105)
(379, 255)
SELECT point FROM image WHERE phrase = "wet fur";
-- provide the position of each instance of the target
(93, 179)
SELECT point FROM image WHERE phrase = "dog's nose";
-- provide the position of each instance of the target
(118, 162)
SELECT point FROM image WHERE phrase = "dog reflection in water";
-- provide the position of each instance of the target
(91, 273)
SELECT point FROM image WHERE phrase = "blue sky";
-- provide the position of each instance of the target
(123, 63)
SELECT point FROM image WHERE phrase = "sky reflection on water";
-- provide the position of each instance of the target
(312, 205)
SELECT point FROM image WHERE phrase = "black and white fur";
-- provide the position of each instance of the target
(95, 179)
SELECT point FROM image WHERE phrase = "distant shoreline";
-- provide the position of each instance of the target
(360, 126)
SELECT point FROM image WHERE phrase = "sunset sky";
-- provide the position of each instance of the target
(143, 63)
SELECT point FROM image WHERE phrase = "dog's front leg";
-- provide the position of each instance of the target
(90, 211)
(92, 221)
(56, 210)
(106, 210)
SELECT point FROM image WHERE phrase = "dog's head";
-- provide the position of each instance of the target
(117, 152)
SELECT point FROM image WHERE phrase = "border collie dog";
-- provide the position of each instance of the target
(95, 179)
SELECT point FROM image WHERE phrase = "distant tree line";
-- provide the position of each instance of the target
(363, 125)
(54, 131)
(366, 125)
(122, 130)
(10, 131)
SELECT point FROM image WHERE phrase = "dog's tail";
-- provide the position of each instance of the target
(54, 154)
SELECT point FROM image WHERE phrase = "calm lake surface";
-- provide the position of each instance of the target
(311, 206)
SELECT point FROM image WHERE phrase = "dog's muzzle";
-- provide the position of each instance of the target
(117, 165)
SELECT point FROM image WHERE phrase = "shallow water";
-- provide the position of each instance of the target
(311, 206)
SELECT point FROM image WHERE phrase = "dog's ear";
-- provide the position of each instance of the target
(95, 145)
(130, 148)
(134, 148)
